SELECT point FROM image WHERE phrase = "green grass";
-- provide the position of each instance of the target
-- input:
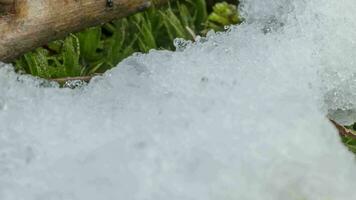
(98, 49)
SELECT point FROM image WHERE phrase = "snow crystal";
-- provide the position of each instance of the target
(238, 115)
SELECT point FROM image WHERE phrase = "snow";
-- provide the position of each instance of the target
(239, 115)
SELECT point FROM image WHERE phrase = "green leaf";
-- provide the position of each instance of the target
(71, 53)
(90, 42)
(146, 39)
(55, 45)
(174, 26)
(201, 13)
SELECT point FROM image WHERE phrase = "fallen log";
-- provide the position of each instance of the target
(27, 24)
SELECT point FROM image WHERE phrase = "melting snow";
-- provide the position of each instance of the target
(239, 115)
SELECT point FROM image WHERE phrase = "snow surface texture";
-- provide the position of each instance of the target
(237, 116)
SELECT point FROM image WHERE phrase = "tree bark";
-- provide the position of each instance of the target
(27, 24)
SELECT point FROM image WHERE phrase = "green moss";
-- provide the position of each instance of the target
(223, 14)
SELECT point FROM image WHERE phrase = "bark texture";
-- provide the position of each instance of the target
(27, 24)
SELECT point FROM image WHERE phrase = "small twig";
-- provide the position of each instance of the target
(77, 78)
(342, 130)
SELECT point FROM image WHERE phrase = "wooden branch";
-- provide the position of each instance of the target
(27, 24)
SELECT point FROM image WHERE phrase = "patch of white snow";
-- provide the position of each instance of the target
(239, 115)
